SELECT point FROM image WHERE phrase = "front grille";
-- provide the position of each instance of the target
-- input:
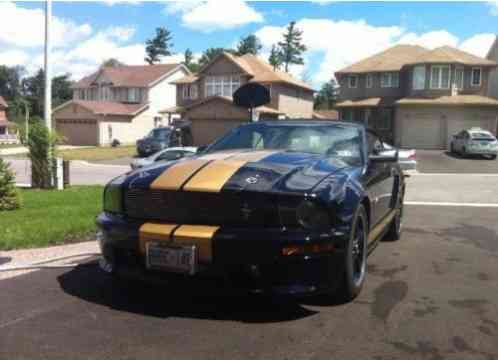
(238, 209)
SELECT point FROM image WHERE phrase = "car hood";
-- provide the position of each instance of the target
(257, 171)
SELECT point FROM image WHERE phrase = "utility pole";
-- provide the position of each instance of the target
(48, 71)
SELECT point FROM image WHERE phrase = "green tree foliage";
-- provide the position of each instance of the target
(327, 96)
(112, 63)
(41, 144)
(158, 46)
(33, 89)
(292, 48)
(189, 61)
(249, 45)
(10, 81)
(9, 196)
(275, 58)
(209, 54)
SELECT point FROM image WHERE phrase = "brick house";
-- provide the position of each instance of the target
(5, 137)
(417, 97)
(205, 98)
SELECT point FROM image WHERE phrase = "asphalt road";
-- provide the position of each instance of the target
(430, 295)
(437, 161)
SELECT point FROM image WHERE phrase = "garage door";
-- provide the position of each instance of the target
(205, 131)
(78, 132)
(422, 130)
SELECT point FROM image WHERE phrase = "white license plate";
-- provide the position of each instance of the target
(180, 259)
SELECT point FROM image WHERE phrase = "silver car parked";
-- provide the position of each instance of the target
(173, 153)
(475, 141)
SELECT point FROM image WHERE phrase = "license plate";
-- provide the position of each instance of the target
(173, 259)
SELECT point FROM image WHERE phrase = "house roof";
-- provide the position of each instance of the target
(392, 59)
(326, 114)
(3, 103)
(366, 102)
(395, 58)
(451, 100)
(129, 75)
(257, 69)
(448, 54)
(106, 107)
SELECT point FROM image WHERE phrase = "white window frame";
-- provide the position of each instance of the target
(369, 81)
(423, 74)
(350, 78)
(472, 77)
(455, 81)
(440, 77)
(221, 83)
(390, 83)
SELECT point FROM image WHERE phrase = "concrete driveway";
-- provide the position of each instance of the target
(439, 161)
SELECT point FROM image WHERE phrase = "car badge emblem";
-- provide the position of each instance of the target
(252, 180)
(246, 211)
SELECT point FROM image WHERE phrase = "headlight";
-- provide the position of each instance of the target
(312, 215)
(113, 195)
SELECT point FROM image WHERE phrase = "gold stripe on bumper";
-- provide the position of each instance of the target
(150, 232)
(200, 236)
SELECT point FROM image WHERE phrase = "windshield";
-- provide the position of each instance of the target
(482, 136)
(339, 141)
(161, 133)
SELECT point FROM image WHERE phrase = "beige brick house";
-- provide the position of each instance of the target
(206, 97)
(120, 103)
(417, 97)
(5, 135)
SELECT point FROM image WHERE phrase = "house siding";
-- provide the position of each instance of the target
(493, 75)
(294, 101)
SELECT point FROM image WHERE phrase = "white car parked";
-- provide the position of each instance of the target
(173, 153)
(475, 141)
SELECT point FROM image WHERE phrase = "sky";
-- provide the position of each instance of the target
(336, 33)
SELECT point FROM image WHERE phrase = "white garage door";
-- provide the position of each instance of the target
(421, 130)
(78, 132)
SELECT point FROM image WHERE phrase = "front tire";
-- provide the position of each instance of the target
(396, 226)
(355, 257)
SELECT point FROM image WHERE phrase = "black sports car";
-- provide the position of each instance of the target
(283, 206)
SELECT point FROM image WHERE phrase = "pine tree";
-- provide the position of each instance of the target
(189, 61)
(275, 58)
(9, 197)
(327, 96)
(248, 45)
(158, 46)
(292, 47)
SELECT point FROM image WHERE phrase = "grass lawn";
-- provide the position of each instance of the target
(51, 217)
(98, 153)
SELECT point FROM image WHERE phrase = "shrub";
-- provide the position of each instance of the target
(41, 144)
(9, 197)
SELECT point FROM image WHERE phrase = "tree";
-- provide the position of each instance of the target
(275, 58)
(9, 196)
(291, 47)
(112, 63)
(248, 45)
(10, 81)
(189, 61)
(158, 46)
(210, 54)
(327, 96)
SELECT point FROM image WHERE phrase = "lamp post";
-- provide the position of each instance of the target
(48, 71)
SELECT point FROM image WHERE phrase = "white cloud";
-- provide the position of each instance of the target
(430, 40)
(493, 7)
(478, 44)
(22, 27)
(13, 57)
(114, 2)
(212, 15)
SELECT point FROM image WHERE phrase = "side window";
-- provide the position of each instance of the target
(374, 143)
(172, 155)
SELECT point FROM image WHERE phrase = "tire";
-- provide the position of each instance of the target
(463, 153)
(452, 148)
(490, 156)
(355, 254)
(396, 226)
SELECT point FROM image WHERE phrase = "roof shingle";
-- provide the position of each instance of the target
(129, 75)
(106, 107)
(450, 100)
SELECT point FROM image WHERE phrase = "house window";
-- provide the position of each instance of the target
(222, 85)
(384, 120)
(440, 77)
(186, 92)
(476, 76)
(369, 80)
(389, 80)
(193, 91)
(347, 114)
(419, 77)
(353, 81)
(459, 77)
(133, 95)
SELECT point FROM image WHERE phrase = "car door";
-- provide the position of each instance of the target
(379, 180)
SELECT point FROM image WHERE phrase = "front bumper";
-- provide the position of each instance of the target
(246, 259)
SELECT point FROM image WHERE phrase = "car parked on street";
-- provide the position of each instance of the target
(167, 154)
(475, 141)
(287, 207)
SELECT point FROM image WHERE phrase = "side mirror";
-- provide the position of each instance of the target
(384, 157)
(201, 149)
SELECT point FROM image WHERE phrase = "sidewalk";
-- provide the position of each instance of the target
(24, 150)
(48, 256)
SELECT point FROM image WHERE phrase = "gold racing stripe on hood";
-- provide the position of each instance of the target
(213, 176)
(173, 177)
(154, 232)
(200, 236)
